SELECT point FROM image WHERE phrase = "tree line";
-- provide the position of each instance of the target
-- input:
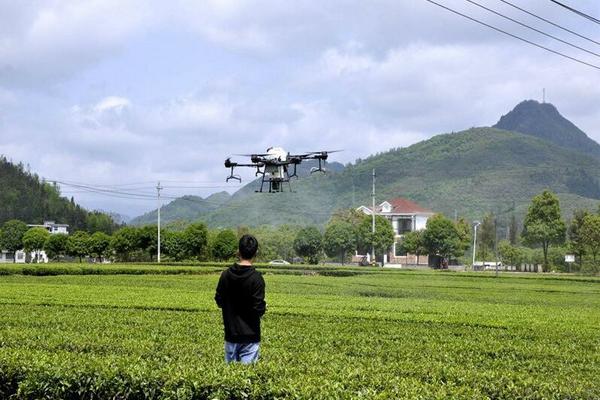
(544, 239)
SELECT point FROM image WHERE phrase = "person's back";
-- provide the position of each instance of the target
(241, 296)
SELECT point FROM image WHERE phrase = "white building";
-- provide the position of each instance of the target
(52, 227)
(7, 257)
(405, 216)
(21, 256)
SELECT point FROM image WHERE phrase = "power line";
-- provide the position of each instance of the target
(550, 22)
(532, 28)
(580, 13)
(152, 197)
(515, 36)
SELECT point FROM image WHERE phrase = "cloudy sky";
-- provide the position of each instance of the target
(131, 92)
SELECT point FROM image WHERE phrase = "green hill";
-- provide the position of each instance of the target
(25, 197)
(470, 173)
(185, 208)
(543, 120)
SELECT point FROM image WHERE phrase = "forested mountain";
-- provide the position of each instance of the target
(543, 120)
(185, 208)
(26, 197)
(469, 173)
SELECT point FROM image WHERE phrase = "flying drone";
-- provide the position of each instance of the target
(277, 166)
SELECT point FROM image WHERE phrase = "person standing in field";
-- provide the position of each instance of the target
(241, 296)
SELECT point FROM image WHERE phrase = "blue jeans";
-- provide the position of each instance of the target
(246, 353)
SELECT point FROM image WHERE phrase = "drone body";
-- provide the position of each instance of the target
(274, 166)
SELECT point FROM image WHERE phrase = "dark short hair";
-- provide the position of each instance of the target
(248, 247)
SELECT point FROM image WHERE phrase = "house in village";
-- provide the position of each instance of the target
(21, 257)
(405, 216)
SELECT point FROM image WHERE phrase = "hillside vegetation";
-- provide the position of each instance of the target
(473, 172)
(469, 173)
(543, 120)
(24, 196)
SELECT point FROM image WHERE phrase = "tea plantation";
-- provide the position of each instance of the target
(137, 332)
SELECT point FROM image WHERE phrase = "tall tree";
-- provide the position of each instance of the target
(175, 245)
(11, 236)
(384, 236)
(442, 238)
(309, 243)
(148, 240)
(99, 243)
(78, 245)
(413, 243)
(125, 241)
(225, 245)
(509, 254)
(513, 230)
(196, 240)
(486, 237)
(34, 240)
(543, 223)
(590, 235)
(56, 246)
(576, 243)
(463, 228)
(339, 238)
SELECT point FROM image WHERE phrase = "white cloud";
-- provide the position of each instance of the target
(242, 76)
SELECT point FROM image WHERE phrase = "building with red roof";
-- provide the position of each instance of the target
(405, 216)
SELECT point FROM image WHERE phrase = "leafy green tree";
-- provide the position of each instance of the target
(175, 245)
(339, 239)
(11, 236)
(590, 235)
(34, 240)
(384, 235)
(196, 240)
(556, 255)
(125, 241)
(509, 254)
(99, 245)
(513, 231)
(78, 245)
(56, 246)
(576, 243)
(543, 223)
(463, 228)
(413, 243)
(442, 238)
(97, 221)
(148, 240)
(309, 243)
(225, 245)
(276, 242)
(486, 237)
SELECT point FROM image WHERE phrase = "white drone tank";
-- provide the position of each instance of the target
(276, 154)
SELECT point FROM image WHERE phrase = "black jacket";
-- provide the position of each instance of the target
(241, 296)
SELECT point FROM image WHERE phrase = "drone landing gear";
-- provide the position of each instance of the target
(234, 177)
(319, 169)
(275, 184)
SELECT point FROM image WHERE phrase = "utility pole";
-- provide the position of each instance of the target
(158, 189)
(496, 242)
(475, 225)
(373, 224)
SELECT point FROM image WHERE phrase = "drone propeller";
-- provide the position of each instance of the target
(252, 155)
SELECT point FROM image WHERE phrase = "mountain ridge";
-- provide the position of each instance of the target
(468, 173)
(543, 120)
